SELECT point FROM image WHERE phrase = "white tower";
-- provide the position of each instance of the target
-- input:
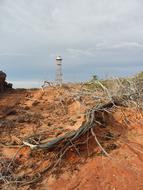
(59, 70)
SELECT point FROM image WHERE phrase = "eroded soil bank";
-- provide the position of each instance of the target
(39, 116)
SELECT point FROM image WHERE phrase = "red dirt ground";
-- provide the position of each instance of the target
(45, 115)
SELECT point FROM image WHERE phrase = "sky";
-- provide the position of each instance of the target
(102, 37)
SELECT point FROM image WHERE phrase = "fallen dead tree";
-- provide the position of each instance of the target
(125, 98)
(112, 101)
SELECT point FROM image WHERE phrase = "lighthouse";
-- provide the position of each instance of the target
(59, 74)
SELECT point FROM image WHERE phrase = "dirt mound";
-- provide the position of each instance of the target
(106, 156)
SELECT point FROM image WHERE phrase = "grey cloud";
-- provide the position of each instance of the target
(121, 45)
(12, 54)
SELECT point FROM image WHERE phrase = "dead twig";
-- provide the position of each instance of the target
(104, 151)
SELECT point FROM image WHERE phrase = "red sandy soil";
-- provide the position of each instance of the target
(45, 115)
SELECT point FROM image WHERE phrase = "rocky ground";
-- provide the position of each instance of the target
(114, 162)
